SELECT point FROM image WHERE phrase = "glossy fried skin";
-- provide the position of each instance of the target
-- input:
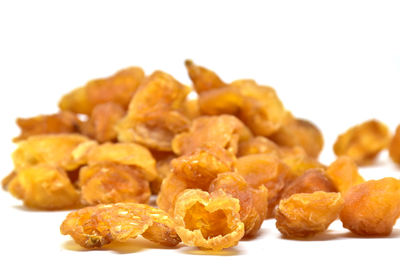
(210, 221)
(118, 88)
(105, 183)
(394, 147)
(311, 181)
(253, 201)
(155, 113)
(267, 170)
(304, 215)
(223, 131)
(195, 170)
(130, 154)
(63, 150)
(343, 172)
(225, 100)
(61, 122)
(299, 162)
(203, 79)
(102, 121)
(372, 207)
(363, 142)
(94, 227)
(258, 145)
(44, 187)
(299, 132)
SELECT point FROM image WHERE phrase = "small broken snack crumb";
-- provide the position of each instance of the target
(363, 142)
(209, 221)
(94, 227)
(307, 214)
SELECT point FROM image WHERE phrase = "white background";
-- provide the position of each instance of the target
(336, 63)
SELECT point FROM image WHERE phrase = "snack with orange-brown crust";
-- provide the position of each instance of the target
(372, 207)
(102, 121)
(118, 88)
(61, 122)
(154, 116)
(253, 201)
(267, 170)
(130, 154)
(306, 214)
(363, 142)
(311, 181)
(44, 187)
(343, 172)
(105, 183)
(67, 151)
(94, 227)
(210, 221)
(223, 131)
(203, 79)
(299, 132)
(394, 146)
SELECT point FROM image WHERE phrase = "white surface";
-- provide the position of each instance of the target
(335, 63)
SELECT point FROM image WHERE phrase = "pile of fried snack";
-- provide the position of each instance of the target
(219, 164)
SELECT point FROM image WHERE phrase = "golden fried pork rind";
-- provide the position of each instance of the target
(363, 142)
(94, 227)
(154, 115)
(118, 88)
(203, 79)
(224, 131)
(67, 151)
(210, 221)
(306, 214)
(44, 187)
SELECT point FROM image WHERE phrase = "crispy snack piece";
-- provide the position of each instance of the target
(195, 170)
(311, 181)
(190, 108)
(210, 221)
(7, 180)
(223, 131)
(225, 100)
(372, 207)
(130, 154)
(105, 183)
(363, 142)
(299, 162)
(253, 201)
(44, 187)
(203, 79)
(394, 147)
(94, 227)
(343, 172)
(267, 170)
(258, 145)
(298, 132)
(102, 121)
(67, 151)
(154, 115)
(163, 167)
(61, 122)
(304, 215)
(118, 88)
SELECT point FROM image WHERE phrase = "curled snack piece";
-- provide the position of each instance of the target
(94, 227)
(62, 122)
(372, 207)
(224, 131)
(130, 154)
(118, 88)
(111, 183)
(311, 181)
(363, 142)
(63, 150)
(44, 187)
(304, 215)
(299, 132)
(253, 201)
(343, 172)
(102, 121)
(394, 147)
(154, 115)
(203, 79)
(210, 221)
